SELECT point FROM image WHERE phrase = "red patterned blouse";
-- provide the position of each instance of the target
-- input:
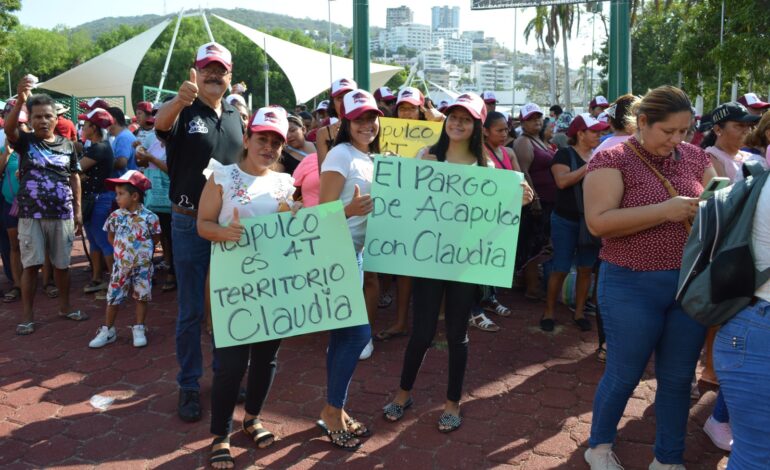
(658, 248)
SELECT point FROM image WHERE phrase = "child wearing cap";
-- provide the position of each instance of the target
(133, 232)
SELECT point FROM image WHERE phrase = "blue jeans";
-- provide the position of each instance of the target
(345, 345)
(640, 318)
(742, 363)
(97, 237)
(191, 263)
(720, 412)
(566, 252)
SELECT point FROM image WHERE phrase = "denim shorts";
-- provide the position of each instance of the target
(566, 252)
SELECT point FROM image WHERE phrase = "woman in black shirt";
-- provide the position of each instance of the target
(568, 168)
(96, 165)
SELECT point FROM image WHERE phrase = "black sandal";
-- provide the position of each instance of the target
(340, 438)
(261, 436)
(449, 422)
(358, 428)
(220, 451)
(393, 411)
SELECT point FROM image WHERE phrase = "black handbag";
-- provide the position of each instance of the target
(585, 238)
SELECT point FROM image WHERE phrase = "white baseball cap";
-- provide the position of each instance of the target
(214, 52)
(383, 93)
(472, 103)
(343, 85)
(410, 95)
(599, 101)
(235, 97)
(528, 110)
(270, 119)
(489, 97)
(751, 100)
(357, 102)
(322, 106)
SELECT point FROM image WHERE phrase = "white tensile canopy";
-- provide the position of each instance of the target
(108, 74)
(112, 73)
(308, 69)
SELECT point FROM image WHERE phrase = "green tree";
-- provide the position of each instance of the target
(8, 23)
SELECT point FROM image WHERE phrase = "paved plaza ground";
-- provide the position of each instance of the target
(527, 401)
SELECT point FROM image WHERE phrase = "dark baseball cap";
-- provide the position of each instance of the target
(732, 111)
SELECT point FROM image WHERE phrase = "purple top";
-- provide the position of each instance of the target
(540, 172)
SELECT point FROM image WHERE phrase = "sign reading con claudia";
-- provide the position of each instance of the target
(443, 221)
(286, 276)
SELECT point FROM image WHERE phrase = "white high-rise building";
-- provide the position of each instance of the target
(412, 36)
(456, 50)
(492, 75)
(432, 59)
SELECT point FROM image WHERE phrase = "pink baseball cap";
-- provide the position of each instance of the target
(383, 93)
(410, 95)
(133, 177)
(584, 122)
(357, 102)
(270, 119)
(94, 103)
(599, 101)
(529, 110)
(751, 100)
(343, 85)
(98, 117)
(214, 52)
(489, 97)
(472, 103)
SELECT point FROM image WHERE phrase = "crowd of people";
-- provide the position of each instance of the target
(608, 203)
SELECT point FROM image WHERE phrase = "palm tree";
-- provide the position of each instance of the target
(542, 25)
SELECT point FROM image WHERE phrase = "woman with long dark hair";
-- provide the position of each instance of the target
(462, 143)
(346, 175)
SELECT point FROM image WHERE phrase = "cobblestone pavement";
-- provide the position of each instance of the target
(527, 401)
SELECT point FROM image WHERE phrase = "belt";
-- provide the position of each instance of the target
(184, 210)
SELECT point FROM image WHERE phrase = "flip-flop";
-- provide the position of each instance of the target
(51, 290)
(385, 335)
(75, 315)
(12, 295)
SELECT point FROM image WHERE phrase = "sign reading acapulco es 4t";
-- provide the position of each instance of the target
(443, 221)
(286, 276)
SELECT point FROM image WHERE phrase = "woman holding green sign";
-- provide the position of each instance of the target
(246, 189)
(461, 142)
(346, 175)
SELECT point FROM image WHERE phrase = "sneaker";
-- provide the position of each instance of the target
(483, 323)
(367, 352)
(601, 457)
(655, 465)
(720, 433)
(104, 336)
(189, 406)
(140, 339)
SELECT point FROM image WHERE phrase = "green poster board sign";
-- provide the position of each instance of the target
(443, 221)
(287, 276)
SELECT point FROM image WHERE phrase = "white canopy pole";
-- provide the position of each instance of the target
(206, 24)
(168, 56)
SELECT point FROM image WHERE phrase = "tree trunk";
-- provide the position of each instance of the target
(552, 87)
(567, 86)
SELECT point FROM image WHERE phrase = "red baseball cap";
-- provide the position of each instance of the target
(357, 102)
(410, 95)
(270, 119)
(213, 52)
(343, 85)
(472, 103)
(94, 103)
(751, 100)
(383, 93)
(599, 101)
(133, 177)
(145, 106)
(584, 122)
(98, 117)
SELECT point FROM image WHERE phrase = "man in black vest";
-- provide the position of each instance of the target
(198, 125)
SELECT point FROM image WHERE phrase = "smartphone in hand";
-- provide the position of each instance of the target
(716, 183)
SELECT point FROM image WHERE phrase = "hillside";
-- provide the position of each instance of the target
(252, 18)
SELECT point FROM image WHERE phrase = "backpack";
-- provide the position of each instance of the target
(718, 276)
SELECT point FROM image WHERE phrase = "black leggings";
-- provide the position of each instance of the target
(427, 295)
(261, 360)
